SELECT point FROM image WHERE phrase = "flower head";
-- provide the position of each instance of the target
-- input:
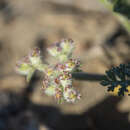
(62, 50)
(30, 63)
(70, 95)
(57, 80)
(61, 88)
(23, 66)
(69, 66)
(34, 56)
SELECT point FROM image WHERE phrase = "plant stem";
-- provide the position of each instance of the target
(87, 76)
(110, 4)
(75, 75)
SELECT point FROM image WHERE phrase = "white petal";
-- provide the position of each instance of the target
(50, 91)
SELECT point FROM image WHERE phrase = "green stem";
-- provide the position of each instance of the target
(123, 19)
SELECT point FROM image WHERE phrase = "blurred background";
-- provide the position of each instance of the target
(101, 43)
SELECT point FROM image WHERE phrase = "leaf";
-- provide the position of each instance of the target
(104, 83)
(117, 76)
(122, 7)
(110, 75)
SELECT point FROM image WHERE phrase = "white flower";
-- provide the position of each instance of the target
(68, 46)
(58, 77)
(65, 79)
(69, 66)
(59, 84)
(70, 95)
(62, 50)
(23, 66)
(30, 63)
(35, 59)
(50, 91)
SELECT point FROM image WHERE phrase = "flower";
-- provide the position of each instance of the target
(70, 95)
(24, 67)
(58, 78)
(36, 60)
(62, 50)
(69, 66)
(30, 63)
(60, 87)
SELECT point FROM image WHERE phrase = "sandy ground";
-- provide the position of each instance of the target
(101, 43)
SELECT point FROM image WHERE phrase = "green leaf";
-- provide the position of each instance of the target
(121, 9)
(117, 76)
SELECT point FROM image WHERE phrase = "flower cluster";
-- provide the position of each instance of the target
(58, 77)
(58, 81)
(62, 50)
(30, 63)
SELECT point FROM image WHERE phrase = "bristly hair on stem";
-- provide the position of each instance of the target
(117, 79)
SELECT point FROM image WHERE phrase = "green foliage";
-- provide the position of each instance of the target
(117, 76)
(120, 8)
